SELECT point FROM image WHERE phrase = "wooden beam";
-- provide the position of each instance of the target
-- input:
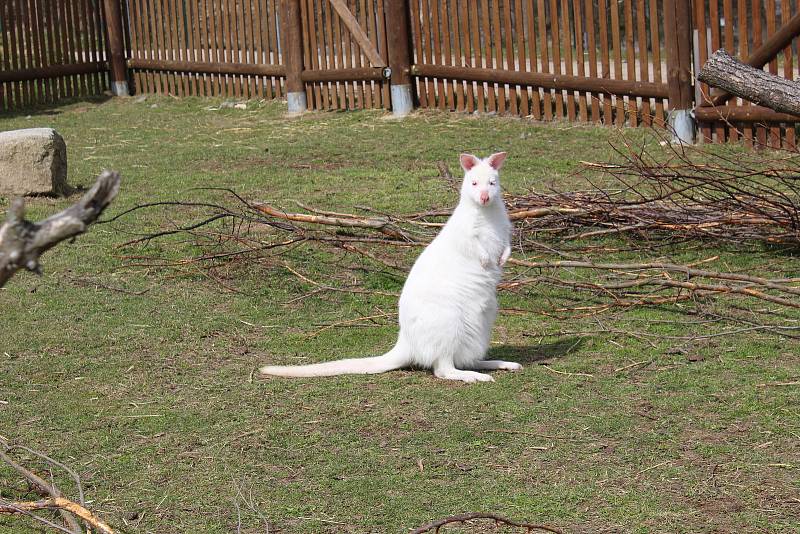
(52, 71)
(742, 114)
(293, 45)
(358, 33)
(545, 80)
(250, 69)
(342, 75)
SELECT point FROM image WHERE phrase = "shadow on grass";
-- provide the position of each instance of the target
(536, 353)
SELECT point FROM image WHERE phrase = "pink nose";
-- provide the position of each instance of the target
(484, 197)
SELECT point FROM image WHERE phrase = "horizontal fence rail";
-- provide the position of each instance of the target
(613, 62)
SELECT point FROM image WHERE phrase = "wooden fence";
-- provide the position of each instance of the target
(206, 47)
(50, 51)
(592, 60)
(615, 62)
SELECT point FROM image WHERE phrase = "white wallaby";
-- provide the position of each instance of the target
(449, 303)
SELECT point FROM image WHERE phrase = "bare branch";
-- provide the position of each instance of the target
(23, 242)
(461, 518)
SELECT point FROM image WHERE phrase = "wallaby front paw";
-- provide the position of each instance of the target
(504, 257)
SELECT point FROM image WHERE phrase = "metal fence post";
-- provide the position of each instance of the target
(119, 69)
(678, 41)
(399, 42)
(293, 56)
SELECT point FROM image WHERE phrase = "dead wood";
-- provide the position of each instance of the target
(755, 85)
(72, 513)
(435, 526)
(23, 242)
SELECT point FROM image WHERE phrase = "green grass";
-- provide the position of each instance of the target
(150, 397)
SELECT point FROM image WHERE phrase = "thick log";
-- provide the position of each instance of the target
(761, 55)
(22, 242)
(726, 72)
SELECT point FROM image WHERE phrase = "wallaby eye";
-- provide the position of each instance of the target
(493, 182)
(474, 182)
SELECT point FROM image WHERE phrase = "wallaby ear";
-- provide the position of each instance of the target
(468, 161)
(496, 160)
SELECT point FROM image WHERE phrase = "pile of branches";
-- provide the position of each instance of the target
(687, 193)
(649, 199)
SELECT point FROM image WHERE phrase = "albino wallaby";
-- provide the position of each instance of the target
(448, 303)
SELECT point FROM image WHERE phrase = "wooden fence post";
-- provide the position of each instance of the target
(678, 41)
(119, 70)
(293, 56)
(399, 42)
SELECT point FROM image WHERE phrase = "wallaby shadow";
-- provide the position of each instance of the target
(536, 353)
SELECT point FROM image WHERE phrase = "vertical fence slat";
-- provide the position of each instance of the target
(546, 96)
(533, 58)
(580, 57)
(770, 10)
(633, 108)
(522, 60)
(26, 58)
(476, 58)
(713, 19)
(616, 39)
(9, 48)
(761, 131)
(655, 42)
(566, 48)
(382, 89)
(498, 54)
(556, 43)
(486, 24)
(508, 62)
(643, 58)
(590, 21)
(466, 51)
(602, 11)
(788, 72)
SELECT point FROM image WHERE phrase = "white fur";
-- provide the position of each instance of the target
(448, 303)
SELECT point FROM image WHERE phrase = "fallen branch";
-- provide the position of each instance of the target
(499, 520)
(755, 85)
(69, 510)
(23, 242)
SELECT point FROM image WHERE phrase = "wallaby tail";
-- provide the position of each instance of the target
(394, 359)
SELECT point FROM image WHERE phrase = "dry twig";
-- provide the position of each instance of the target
(434, 526)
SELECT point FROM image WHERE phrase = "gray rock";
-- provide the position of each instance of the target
(32, 161)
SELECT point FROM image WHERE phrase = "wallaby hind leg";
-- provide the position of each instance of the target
(491, 365)
(447, 371)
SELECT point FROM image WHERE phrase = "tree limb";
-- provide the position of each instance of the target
(460, 518)
(726, 72)
(23, 242)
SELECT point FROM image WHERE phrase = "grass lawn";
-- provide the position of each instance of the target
(149, 392)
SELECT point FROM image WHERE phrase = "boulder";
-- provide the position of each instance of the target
(32, 161)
